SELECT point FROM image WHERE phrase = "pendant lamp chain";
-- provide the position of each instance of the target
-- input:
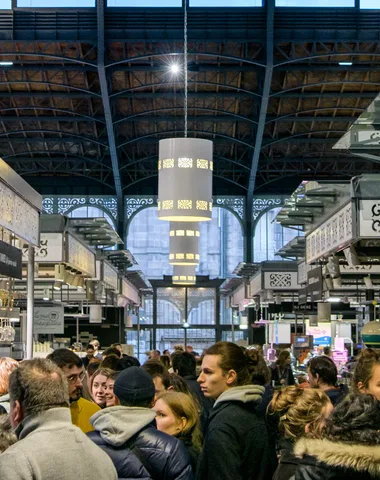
(185, 63)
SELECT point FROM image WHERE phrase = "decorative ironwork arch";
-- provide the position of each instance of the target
(67, 204)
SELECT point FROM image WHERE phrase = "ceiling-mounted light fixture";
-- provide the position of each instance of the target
(184, 243)
(46, 294)
(345, 64)
(174, 68)
(59, 273)
(57, 285)
(69, 277)
(243, 325)
(185, 167)
(80, 285)
(6, 64)
(184, 275)
(334, 299)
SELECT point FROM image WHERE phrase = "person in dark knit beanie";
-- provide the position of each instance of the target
(127, 432)
(134, 387)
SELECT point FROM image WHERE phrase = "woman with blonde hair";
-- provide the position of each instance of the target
(302, 413)
(7, 365)
(177, 415)
(98, 386)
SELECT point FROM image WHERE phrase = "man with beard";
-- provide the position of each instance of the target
(71, 366)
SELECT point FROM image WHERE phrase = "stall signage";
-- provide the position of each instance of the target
(315, 284)
(80, 257)
(10, 261)
(302, 296)
(48, 320)
(110, 277)
(369, 218)
(50, 249)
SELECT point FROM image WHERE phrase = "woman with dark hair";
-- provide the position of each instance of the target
(282, 374)
(350, 447)
(111, 362)
(323, 374)
(366, 378)
(260, 375)
(236, 442)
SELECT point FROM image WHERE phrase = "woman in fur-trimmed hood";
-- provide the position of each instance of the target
(350, 449)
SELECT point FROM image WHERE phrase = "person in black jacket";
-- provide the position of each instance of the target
(323, 374)
(184, 364)
(128, 433)
(236, 445)
(282, 373)
(350, 449)
(302, 412)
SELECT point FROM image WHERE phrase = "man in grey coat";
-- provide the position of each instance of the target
(49, 446)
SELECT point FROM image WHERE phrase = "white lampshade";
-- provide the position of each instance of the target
(243, 322)
(95, 314)
(185, 168)
(184, 275)
(184, 243)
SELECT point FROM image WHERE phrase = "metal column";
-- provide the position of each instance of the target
(154, 332)
(30, 304)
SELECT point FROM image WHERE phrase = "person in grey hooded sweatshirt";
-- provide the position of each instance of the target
(236, 444)
(49, 446)
(127, 432)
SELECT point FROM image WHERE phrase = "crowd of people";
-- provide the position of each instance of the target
(224, 415)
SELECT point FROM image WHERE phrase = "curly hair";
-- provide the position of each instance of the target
(7, 435)
(299, 407)
(356, 419)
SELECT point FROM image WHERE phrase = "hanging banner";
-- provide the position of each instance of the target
(10, 261)
(315, 284)
(48, 320)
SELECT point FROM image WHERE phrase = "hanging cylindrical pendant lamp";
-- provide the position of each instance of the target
(185, 180)
(184, 275)
(184, 243)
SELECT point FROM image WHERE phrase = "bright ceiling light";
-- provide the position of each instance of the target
(174, 68)
(334, 300)
(345, 64)
(6, 64)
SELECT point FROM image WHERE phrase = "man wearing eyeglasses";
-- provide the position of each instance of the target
(81, 409)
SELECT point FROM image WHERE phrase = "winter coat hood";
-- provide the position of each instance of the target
(361, 458)
(117, 425)
(244, 394)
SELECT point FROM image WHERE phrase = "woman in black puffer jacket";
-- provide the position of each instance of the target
(350, 449)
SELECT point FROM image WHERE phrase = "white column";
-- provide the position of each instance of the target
(30, 304)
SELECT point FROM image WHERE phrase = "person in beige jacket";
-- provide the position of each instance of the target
(49, 446)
